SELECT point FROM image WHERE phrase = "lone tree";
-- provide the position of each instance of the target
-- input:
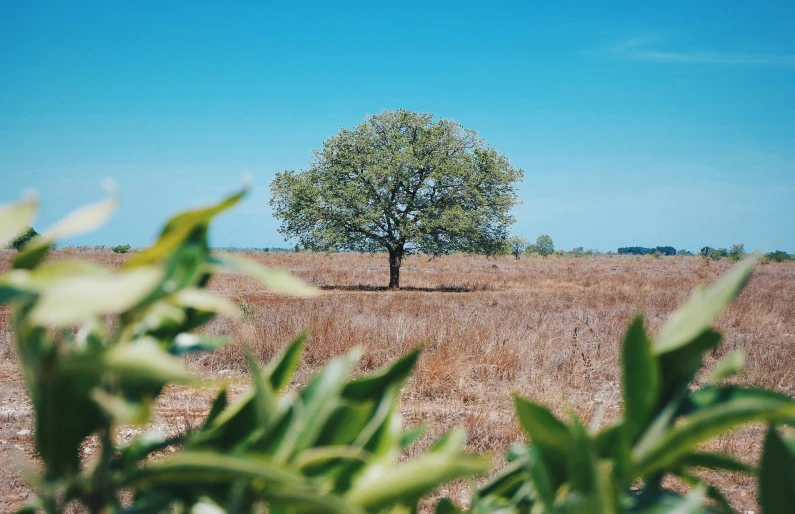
(517, 245)
(545, 245)
(402, 183)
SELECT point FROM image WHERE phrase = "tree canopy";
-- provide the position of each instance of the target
(545, 245)
(642, 250)
(517, 245)
(400, 182)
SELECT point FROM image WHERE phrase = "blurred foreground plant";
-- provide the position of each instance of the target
(569, 467)
(98, 347)
(332, 446)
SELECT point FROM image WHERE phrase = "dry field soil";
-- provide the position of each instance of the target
(549, 329)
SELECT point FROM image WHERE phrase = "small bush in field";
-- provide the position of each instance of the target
(121, 248)
(778, 256)
(737, 252)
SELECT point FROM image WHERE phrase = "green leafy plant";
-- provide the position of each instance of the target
(330, 447)
(121, 248)
(569, 467)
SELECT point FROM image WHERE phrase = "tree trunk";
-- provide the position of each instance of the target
(395, 259)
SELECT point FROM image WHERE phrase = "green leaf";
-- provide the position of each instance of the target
(693, 503)
(179, 229)
(679, 367)
(231, 427)
(243, 421)
(314, 456)
(446, 506)
(410, 436)
(121, 409)
(541, 480)
(715, 410)
(713, 461)
(205, 470)
(204, 300)
(219, 404)
(22, 283)
(82, 220)
(723, 505)
(777, 474)
(589, 479)
(547, 433)
(382, 434)
(544, 429)
(731, 364)
(74, 300)
(345, 424)
(582, 466)
(698, 313)
(30, 509)
(506, 484)
(9, 293)
(265, 400)
(406, 484)
(712, 396)
(16, 217)
(275, 280)
(279, 440)
(204, 467)
(65, 415)
(294, 500)
(320, 399)
(372, 387)
(188, 343)
(281, 369)
(49, 273)
(143, 361)
(161, 320)
(641, 379)
(143, 445)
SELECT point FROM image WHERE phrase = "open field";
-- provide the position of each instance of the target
(546, 328)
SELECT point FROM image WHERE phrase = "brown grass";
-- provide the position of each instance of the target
(547, 328)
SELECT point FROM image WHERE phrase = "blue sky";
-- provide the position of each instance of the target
(637, 123)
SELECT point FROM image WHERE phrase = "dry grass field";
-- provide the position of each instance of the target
(547, 328)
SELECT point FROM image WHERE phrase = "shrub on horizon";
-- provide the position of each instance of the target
(737, 252)
(778, 256)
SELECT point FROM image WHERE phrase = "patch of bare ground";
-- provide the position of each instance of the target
(549, 329)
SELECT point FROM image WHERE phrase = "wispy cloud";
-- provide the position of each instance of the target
(642, 49)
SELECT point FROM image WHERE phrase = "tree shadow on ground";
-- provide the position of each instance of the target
(365, 287)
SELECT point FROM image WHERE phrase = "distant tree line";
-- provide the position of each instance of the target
(735, 253)
(778, 256)
(642, 250)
